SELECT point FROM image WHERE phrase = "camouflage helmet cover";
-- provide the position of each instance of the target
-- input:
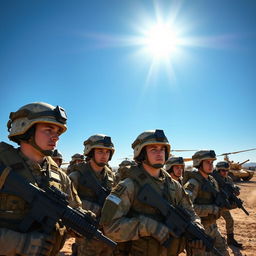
(201, 155)
(56, 154)
(174, 161)
(98, 141)
(150, 137)
(77, 156)
(38, 112)
(223, 165)
(126, 163)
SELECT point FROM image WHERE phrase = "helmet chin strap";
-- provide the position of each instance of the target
(32, 142)
(99, 164)
(155, 166)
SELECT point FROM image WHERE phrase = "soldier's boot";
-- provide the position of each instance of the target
(231, 241)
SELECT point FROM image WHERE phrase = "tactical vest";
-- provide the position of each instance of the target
(86, 193)
(203, 197)
(14, 208)
(148, 245)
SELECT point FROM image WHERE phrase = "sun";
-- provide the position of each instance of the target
(161, 41)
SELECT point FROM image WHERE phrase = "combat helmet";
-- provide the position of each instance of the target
(222, 165)
(150, 137)
(127, 163)
(174, 161)
(39, 112)
(99, 141)
(56, 154)
(77, 156)
(57, 157)
(201, 155)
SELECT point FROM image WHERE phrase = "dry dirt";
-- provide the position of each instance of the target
(245, 226)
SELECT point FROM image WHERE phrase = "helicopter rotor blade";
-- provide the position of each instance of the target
(236, 152)
(183, 150)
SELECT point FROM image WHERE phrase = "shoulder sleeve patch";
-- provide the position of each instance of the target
(190, 187)
(118, 189)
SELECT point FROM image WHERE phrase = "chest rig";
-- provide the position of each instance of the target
(85, 175)
(162, 187)
(12, 207)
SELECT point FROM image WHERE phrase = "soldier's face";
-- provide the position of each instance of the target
(207, 165)
(224, 173)
(57, 161)
(47, 135)
(155, 154)
(101, 156)
(178, 170)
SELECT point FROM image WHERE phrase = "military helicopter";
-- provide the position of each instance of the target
(237, 172)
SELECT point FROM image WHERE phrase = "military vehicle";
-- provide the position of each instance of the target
(237, 172)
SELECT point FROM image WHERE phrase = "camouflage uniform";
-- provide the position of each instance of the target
(123, 168)
(73, 163)
(90, 200)
(223, 165)
(137, 227)
(172, 161)
(204, 201)
(14, 208)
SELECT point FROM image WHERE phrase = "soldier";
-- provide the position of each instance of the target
(57, 157)
(75, 160)
(36, 127)
(203, 200)
(138, 228)
(175, 167)
(94, 181)
(122, 170)
(223, 168)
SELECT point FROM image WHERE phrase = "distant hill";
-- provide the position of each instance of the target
(250, 164)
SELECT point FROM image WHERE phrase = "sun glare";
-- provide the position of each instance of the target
(161, 41)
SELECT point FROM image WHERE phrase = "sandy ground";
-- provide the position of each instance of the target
(245, 226)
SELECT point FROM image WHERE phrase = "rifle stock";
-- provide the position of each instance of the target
(177, 219)
(48, 206)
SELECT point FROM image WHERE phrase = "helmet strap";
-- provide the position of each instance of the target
(32, 142)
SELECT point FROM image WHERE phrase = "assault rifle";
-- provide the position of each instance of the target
(49, 206)
(176, 218)
(89, 181)
(229, 190)
(221, 197)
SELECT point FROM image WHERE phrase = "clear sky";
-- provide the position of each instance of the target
(101, 62)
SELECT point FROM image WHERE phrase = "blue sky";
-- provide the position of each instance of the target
(85, 57)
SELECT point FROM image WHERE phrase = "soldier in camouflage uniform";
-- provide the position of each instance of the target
(175, 167)
(57, 157)
(36, 127)
(75, 160)
(138, 228)
(121, 172)
(204, 201)
(223, 168)
(99, 150)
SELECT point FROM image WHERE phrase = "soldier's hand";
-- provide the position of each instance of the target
(197, 244)
(150, 227)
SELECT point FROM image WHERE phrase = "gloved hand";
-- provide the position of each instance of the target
(196, 244)
(35, 244)
(150, 227)
(236, 190)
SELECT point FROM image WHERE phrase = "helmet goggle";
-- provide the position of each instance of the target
(158, 135)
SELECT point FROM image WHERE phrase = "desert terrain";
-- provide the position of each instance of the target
(245, 226)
